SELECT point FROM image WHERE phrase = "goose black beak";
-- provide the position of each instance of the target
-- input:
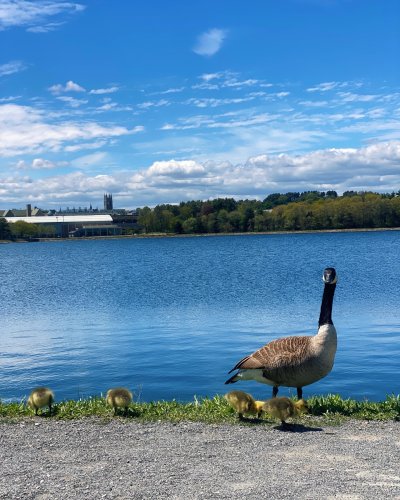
(329, 277)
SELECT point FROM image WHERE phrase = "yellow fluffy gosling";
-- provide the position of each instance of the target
(244, 403)
(119, 397)
(40, 397)
(284, 408)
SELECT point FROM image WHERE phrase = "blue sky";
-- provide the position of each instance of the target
(168, 101)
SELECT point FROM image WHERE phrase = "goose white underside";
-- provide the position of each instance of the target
(254, 374)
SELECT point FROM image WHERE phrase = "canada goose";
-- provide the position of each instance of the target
(40, 397)
(119, 397)
(295, 361)
(244, 403)
(284, 408)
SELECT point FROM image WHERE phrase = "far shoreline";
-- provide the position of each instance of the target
(195, 235)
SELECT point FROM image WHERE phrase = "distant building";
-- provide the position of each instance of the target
(73, 225)
(108, 202)
(28, 212)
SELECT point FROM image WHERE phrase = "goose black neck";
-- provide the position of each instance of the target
(325, 317)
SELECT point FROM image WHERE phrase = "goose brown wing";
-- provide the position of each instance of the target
(278, 354)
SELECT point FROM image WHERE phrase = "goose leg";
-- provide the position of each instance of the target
(275, 391)
(299, 393)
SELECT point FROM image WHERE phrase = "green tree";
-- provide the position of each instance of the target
(145, 219)
(5, 231)
(22, 229)
(190, 225)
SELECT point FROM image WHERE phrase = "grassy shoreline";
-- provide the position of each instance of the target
(330, 408)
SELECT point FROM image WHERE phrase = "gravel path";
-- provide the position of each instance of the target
(121, 459)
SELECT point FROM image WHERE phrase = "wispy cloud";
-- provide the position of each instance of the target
(34, 15)
(153, 104)
(212, 76)
(326, 86)
(70, 86)
(227, 79)
(90, 159)
(11, 67)
(45, 28)
(10, 98)
(108, 90)
(323, 87)
(210, 42)
(227, 120)
(25, 130)
(173, 90)
(74, 103)
(352, 97)
(213, 103)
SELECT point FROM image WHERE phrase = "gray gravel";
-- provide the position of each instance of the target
(48, 459)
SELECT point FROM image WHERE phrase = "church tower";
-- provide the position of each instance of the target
(108, 202)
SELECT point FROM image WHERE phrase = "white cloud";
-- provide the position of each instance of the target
(90, 160)
(109, 90)
(10, 98)
(211, 76)
(46, 28)
(70, 86)
(85, 145)
(11, 67)
(351, 97)
(323, 87)
(326, 86)
(314, 104)
(25, 130)
(212, 103)
(210, 42)
(227, 79)
(375, 167)
(173, 90)
(112, 106)
(74, 103)
(153, 104)
(34, 14)
(36, 164)
(226, 120)
(176, 169)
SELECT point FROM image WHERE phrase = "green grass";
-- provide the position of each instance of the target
(326, 409)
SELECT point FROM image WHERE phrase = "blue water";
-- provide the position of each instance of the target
(170, 317)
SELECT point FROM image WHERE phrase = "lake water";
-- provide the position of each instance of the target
(169, 317)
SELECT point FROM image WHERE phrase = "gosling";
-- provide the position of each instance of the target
(244, 403)
(119, 397)
(284, 408)
(40, 397)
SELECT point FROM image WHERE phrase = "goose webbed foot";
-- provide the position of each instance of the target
(275, 391)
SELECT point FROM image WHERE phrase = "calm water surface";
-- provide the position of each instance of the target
(170, 317)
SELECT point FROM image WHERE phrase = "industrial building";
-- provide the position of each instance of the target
(76, 223)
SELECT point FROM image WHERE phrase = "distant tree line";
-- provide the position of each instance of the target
(311, 210)
(24, 230)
